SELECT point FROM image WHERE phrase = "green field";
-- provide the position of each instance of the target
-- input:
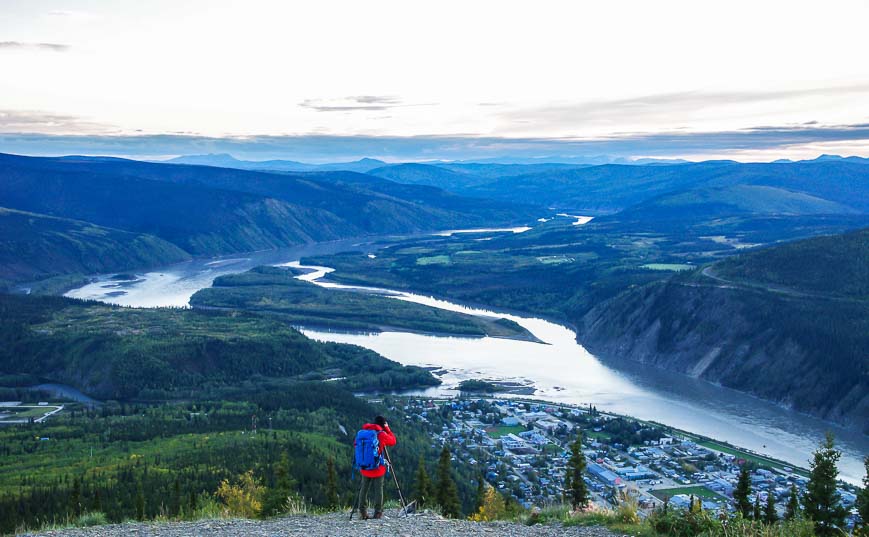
(24, 412)
(675, 267)
(697, 490)
(434, 260)
(760, 460)
(503, 430)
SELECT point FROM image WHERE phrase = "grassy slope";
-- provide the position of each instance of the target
(34, 246)
(275, 290)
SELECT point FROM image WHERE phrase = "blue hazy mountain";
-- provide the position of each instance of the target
(225, 160)
(205, 210)
(614, 187)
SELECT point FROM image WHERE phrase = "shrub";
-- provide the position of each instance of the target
(684, 524)
(493, 507)
(243, 498)
(93, 518)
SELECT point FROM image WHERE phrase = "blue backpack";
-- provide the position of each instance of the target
(367, 455)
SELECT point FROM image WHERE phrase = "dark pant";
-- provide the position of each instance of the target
(375, 485)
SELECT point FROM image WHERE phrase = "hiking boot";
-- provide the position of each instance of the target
(378, 514)
(363, 513)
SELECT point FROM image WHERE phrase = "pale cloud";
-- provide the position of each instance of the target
(20, 45)
(24, 121)
(744, 143)
(661, 107)
(356, 103)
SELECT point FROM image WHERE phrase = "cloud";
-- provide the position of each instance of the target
(349, 104)
(656, 107)
(20, 45)
(358, 103)
(326, 148)
(18, 121)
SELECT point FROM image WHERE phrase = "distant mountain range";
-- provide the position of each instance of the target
(172, 211)
(208, 205)
(225, 160)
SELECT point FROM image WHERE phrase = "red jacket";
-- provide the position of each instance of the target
(386, 438)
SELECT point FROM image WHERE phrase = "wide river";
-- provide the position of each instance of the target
(560, 370)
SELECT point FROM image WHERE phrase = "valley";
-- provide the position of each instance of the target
(561, 369)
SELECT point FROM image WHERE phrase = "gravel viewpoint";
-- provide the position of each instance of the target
(333, 525)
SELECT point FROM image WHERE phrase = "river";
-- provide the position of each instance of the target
(559, 370)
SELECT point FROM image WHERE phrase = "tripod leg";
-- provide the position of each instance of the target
(395, 479)
(358, 499)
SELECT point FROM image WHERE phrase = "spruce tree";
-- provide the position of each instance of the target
(446, 493)
(756, 513)
(275, 497)
(176, 498)
(863, 496)
(75, 497)
(331, 484)
(191, 504)
(742, 492)
(575, 488)
(822, 501)
(792, 509)
(769, 514)
(481, 494)
(140, 503)
(423, 484)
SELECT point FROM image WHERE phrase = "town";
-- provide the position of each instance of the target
(522, 447)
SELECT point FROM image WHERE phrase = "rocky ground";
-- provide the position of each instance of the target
(333, 525)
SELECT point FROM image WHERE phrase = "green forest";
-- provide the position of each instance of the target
(276, 291)
(141, 461)
(120, 353)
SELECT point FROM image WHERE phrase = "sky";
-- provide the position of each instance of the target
(329, 80)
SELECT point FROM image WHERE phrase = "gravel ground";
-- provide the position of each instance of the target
(333, 525)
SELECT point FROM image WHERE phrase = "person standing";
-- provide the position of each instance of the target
(371, 441)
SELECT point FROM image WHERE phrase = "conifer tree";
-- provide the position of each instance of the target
(191, 503)
(756, 513)
(176, 498)
(822, 501)
(423, 484)
(140, 503)
(769, 514)
(331, 484)
(742, 492)
(481, 494)
(75, 497)
(863, 497)
(446, 494)
(276, 497)
(574, 485)
(792, 509)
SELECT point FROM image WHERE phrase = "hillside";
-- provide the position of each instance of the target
(789, 323)
(835, 266)
(34, 246)
(122, 353)
(205, 210)
(611, 188)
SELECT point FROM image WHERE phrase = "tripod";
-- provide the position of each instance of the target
(395, 478)
(391, 469)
